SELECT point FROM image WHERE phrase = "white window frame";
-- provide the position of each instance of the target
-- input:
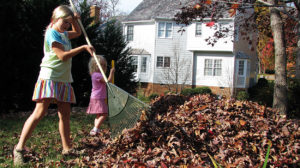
(212, 67)
(143, 67)
(241, 67)
(130, 33)
(163, 62)
(236, 33)
(162, 31)
(135, 62)
(197, 27)
(241, 72)
(222, 25)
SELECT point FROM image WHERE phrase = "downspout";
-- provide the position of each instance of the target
(234, 74)
(154, 53)
(234, 60)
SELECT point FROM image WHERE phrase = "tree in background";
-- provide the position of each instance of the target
(22, 34)
(82, 82)
(108, 40)
(112, 44)
(215, 9)
(22, 38)
(107, 8)
(175, 76)
(265, 46)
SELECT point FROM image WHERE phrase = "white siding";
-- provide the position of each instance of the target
(225, 80)
(174, 47)
(144, 38)
(191, 50)
(198, 43)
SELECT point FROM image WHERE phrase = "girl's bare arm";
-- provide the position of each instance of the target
(65, 55)
(110, 77)
(76, 30)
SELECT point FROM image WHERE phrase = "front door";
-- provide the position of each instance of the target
(241, 73)
(143, 68)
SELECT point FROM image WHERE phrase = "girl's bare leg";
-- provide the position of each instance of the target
(99, 120)
(64, 110)
(30, 124)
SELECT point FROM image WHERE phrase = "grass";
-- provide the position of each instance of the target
(142, 97)
(45, 140)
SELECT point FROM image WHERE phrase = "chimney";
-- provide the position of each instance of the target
(95, 12)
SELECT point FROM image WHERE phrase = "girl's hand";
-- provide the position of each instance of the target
(112, 70)
(76, 16)
(89, 49)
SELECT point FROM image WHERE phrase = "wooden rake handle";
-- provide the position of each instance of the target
(88, 42)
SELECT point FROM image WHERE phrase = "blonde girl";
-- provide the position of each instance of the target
(55, 78)
(97, 103)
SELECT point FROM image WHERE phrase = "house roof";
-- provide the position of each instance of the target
(164, 9)
(152, 9)
(242, 55)
(138, 51)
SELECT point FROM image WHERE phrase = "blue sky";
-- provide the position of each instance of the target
(128, 5)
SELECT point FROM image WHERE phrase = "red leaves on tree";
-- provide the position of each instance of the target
(232, 10)
(210, 24)
(197, 6)
(208, 2)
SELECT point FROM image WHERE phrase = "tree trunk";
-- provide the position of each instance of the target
(298, 59)
(297, 64)
(280, 86)
(297, 68)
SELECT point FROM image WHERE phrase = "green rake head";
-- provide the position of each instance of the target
(124, 109)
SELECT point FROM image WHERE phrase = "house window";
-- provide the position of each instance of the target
(236, 33)
(163, 61)
(198, 29)
(213, 67)
(165, 30)
(130, 33)
(217, 67)
(241, 72)
(144, 64)
(241, 67)
(223, 26)
(134, 62)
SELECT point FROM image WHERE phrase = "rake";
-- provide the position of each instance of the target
(124, 110)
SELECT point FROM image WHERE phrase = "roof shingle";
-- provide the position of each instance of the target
(152, 9)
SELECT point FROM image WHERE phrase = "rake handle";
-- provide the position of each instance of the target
(88, 42)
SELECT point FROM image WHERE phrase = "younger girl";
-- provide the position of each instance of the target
(98, 104)
(54, 81)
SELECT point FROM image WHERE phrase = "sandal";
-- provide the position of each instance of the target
(94, 133)
(18, 156)
(72, 152)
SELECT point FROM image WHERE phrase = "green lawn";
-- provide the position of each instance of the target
(45, 141)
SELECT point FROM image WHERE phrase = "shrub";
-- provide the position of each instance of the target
(187, 91)
(168, 91)
(270, 71)
(294, 98)
(202, 90)
(262, 82)
(242, 95)
(262, 92)
(153, 96)
(193, 91)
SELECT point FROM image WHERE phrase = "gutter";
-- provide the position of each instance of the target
(139, 21)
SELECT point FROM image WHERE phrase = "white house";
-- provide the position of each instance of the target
(164, 57)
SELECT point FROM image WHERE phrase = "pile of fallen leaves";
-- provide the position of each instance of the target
(184, 133)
